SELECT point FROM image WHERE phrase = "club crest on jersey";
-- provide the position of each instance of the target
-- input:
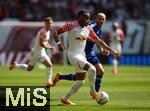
(81, 38)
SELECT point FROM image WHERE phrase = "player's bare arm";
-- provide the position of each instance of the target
(105, 52)
(44, 43)
(102, 44)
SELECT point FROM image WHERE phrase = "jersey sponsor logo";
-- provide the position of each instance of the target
(81, 39)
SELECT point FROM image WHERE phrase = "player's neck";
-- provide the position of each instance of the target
(99, 25)
(47, 29)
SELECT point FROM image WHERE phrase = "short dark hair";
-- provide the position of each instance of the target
(48, 19)
(82, 12)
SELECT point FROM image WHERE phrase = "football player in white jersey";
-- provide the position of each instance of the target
(78, 32)
(38, 53)
(116, 38)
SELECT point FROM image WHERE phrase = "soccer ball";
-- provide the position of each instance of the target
(103, 98)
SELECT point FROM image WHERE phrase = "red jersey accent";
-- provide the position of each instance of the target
(67, 27)
(92, 33)
(42, 35)
(122, 36)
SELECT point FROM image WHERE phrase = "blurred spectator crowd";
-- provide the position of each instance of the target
(62, 10)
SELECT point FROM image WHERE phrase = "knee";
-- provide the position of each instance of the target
(80, 82)
(100, 72)
(80, 76)
(49, 65)
(92, 69)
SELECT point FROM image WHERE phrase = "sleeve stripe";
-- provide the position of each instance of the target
(68, 26)
(92, 33)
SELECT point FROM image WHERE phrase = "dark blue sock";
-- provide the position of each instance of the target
(98, 83)
(67, 76)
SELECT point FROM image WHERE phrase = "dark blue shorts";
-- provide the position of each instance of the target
(93, 60)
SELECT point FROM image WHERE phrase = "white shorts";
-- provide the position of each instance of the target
(116, 46)
(78, 61)
(37, 57)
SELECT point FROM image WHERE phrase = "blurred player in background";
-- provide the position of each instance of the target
(38, 53)
(78, 33)
(90, 54)
(116, 39)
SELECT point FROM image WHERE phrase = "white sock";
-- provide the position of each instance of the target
(49, 74)
(22, 66)
(75, 87)
(91, 77)
(115, 64)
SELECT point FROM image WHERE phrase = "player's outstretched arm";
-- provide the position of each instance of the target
(45, 44)
(102, 44)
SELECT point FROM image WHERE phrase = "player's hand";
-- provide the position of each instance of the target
(105, 52)
(61, 47)
(117, 54)
(53, 49)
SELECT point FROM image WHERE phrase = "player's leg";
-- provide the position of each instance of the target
(91, 76)
(99, 76)
(99, 73)
(47, 62)
(81, 65)
(115, 64)
(117, 47)
(98, 81)
(28, 67)
(14, 65)
(75, 87)
(59, 76)
(93, 59)
(70, 76)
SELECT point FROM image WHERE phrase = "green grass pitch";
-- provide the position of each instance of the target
(128, 91)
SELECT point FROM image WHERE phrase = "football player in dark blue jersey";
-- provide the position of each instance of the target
(89, 50)
(90, 54)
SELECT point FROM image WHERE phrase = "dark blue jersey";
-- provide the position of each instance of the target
(89, 49)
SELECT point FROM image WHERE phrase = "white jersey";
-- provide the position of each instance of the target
(116, 37)
(77, 37)
(42, 34)
(38, 53)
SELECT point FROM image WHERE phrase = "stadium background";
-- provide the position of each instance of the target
(21, 21)
(129, 90)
